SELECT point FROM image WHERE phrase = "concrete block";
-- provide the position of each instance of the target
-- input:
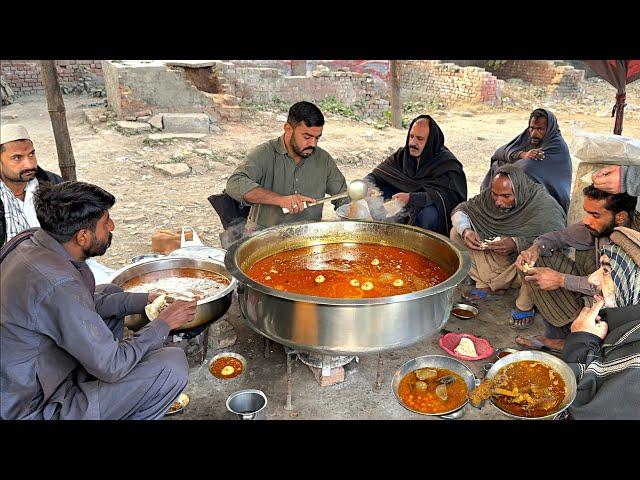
(133, 127)
(159, 137)
(156, 121)
(173, 169)
(186, 122)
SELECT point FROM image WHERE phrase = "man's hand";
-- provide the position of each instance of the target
(505, 246)
(471, 239)
(401, 197)
(178, 313)
(589, 321)
(153, 294)
(608, 179)
(530, 256)
(534, 154)
(545, 278)
(295, 203)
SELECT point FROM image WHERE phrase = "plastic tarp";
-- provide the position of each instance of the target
(618, 73)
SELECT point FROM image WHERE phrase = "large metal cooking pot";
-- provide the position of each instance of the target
(207, 310)
(345, 326)
(558, 365)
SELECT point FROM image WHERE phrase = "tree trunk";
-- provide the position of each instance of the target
(66, 160)
(396, 107)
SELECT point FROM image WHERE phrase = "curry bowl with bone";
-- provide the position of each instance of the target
(527, 385)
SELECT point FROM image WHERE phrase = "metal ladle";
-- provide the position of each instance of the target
(356, 190)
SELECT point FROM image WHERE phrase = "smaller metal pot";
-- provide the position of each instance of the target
(558, 365)
(247, 404)
(436, 361)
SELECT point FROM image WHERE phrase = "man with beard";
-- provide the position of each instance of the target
(61, 338)
(424, 176)
(558, 285)
(499, 223)
(604, 350)
(620, 179)
(543, 155)
(20, 176)
(289, 172)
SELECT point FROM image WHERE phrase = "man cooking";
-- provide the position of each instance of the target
(61, 338)
(289, 172)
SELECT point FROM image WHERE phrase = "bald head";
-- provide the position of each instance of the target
(502, 192)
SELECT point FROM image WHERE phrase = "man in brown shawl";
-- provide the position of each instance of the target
(423, 175)
(517, 210)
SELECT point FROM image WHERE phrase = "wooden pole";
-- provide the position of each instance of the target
(66, 160)
(396, 107)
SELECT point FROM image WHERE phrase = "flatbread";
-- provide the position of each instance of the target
(466, 348)
(153, 309)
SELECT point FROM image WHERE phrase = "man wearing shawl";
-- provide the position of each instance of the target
(543, 155)
(604, 351)
(559, 285)
(423, 175)
(517, 210)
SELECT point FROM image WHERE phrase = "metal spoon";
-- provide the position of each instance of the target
(356, 190)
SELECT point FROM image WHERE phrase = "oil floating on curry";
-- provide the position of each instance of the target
(348, 270)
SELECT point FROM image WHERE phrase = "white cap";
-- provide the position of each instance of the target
(13, 132)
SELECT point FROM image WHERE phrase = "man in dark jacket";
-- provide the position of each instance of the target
(20, 176)
(604, 351)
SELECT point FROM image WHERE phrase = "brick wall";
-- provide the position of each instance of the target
(432, 80)
(24, 75)
(560, 80)
(262, 85)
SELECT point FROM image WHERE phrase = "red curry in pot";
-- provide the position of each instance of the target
(348, 270)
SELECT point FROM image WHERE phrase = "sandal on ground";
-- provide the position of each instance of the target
(532, 343)
(520, 319)
(475, 295)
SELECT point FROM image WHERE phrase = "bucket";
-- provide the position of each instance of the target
(247, 404)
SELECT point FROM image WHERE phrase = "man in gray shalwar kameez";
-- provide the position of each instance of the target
(62, 352)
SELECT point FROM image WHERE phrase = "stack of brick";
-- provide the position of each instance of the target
(559, 80)
(24, 75)
(448, 83)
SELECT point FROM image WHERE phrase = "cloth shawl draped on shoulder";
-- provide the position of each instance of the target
(554, 172)
(535, 212)
(437, 178)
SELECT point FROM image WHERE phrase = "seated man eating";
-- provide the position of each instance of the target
(604, 351)
(496, 225)
(558, 284)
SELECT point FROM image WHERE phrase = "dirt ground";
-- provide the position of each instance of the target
(147, 200)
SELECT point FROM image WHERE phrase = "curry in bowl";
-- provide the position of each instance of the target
(348, 270)
(527, 388)
(432, 390)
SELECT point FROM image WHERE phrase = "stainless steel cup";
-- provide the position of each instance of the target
(247, 404)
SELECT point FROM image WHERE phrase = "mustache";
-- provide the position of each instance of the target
(31, 170)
